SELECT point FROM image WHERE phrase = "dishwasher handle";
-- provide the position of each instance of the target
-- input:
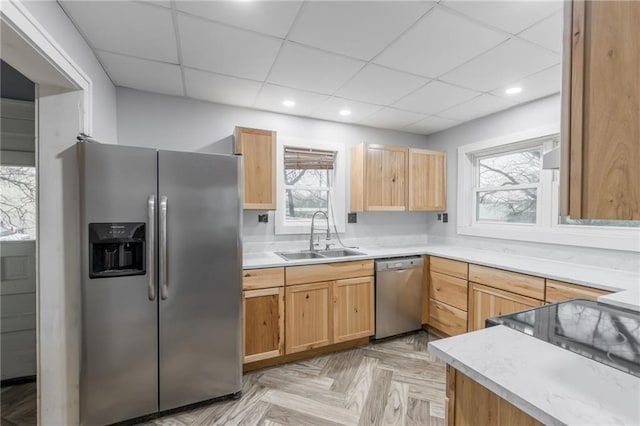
(399, 264)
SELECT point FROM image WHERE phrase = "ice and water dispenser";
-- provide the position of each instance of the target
(116, 249)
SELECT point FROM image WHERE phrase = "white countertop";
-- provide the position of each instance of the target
(607, 279)
(553, 385)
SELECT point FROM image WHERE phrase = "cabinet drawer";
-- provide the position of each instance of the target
(447, 289)
(525, 285)
(557, 291)
(446, 318)
(253, 279)
(328, 271)
(449, 267)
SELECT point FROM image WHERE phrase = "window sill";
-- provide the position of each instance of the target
(610, 239)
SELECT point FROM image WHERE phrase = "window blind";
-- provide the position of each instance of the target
(308, 158)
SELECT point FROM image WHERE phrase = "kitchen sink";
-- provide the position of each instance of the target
(342, 252)
(319, 254)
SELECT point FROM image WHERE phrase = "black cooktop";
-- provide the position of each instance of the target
(602, 332)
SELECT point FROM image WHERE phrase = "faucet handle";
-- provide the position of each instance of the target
(328, 246)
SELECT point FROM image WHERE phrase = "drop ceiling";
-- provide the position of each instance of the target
(414, 66)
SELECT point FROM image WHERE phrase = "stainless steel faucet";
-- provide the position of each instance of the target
(313, 220)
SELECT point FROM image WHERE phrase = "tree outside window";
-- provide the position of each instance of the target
(17, 203)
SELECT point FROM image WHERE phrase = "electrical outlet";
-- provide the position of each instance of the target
(439, 216)
(445, 217)
(352, 217)
(263, 218)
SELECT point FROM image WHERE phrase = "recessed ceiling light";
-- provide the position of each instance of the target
(513, 90)
(288, 103)
(345, 112)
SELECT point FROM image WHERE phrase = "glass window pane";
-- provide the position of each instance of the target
(307, 177)
(516, 205)
(510, 169)
(17, 203)
(565, 220)
(301, 204)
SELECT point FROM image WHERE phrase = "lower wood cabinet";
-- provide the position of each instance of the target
(447, 319)
(263, 323)
(309, 316)
(558, 291)
(353, 309)
(485, 302)
(471, 404)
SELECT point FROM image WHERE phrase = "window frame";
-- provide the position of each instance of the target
(337, 188)
(547, 229)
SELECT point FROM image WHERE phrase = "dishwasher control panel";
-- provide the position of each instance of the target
(398, 263)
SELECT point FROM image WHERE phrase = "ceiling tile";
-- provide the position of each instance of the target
(360, 29)
(435, 97)
(389, 85)
(220, 89)
(438, 43)
(134, 29)
(313, 70)
(511, 16)
(477, 107)
(547, 33)
(330, 110)
(391, 118)
(141, 74)
(267, 17)
(226, 50)
(271, 98)
(511, 61)
(536, 86)
(431, 125)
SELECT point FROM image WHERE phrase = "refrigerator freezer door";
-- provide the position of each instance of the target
(119, 373)
(200, 332)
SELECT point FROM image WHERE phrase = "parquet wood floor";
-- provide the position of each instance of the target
(395, 382)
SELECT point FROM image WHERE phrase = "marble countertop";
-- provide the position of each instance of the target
(607, 279)
(554, 385)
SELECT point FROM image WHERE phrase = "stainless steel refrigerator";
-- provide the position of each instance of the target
(161, 280)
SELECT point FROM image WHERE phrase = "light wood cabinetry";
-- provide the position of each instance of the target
(526, 285)
(447, 311)
(427, 180)
(600, 167)
(328, 271)
(558, 291)
(258, 149)
(485, 302)
(263, 313)
(379, 176)
(308, 317)
(353, 309)
(471, 404)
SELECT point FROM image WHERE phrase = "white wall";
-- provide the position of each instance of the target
(538, 113)
(55, 22)
(152, 120)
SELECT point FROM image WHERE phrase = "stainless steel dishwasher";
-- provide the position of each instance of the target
(398, 295)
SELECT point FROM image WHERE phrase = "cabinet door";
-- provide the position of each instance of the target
(263, 323)
(427, 180)
(353, 309)
(386, 178)
(258, 149)
(601, 118)
(309, 316)
(485, 302)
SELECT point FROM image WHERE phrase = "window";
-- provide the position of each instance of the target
(308, 175)
(311, 178)
(17, 203)
(503, 192)
(508, 186)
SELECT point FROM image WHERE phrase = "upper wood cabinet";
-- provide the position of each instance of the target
(427, 180)
(379, 177)
(395, 178)
(601, 111)
(258, 149)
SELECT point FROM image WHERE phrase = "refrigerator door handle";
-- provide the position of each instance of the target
(164, 290)
(151, 247)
